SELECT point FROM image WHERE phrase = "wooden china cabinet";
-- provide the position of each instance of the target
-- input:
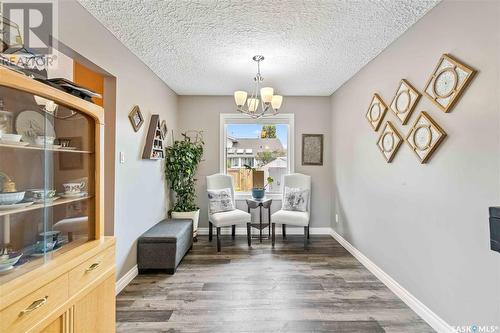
(57, 269)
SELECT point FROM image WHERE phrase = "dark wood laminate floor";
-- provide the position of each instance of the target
(288, 289)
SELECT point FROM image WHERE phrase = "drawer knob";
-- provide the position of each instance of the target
(35, 305)
(92, 267)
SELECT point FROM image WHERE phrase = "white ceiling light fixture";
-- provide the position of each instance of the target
(262, 102)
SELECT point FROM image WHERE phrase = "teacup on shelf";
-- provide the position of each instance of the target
(52, 235)
(73, 188)
(42, 194)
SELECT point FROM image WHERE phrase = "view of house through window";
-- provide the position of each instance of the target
(261, 147)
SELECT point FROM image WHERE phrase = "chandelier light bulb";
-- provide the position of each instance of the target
(240, 97)
(276, 101)
(266, 94)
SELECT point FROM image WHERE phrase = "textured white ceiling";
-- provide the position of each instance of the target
(205, 47)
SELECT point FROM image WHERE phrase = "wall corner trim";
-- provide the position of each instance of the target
(423, 311)
(126, 279)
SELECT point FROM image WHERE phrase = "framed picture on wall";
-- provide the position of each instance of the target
(136, 118)
(312, 149)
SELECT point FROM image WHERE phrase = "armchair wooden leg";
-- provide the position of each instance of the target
(210, 231)
(273, 234)
(249, 235)
(283, 228)
(306, 232)
(233, 231)
(218, 239)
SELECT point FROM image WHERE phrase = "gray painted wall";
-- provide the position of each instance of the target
(312, 116)
(140, 189)
(427, 225)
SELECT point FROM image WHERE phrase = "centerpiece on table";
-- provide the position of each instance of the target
(258, 189)
(182, 160)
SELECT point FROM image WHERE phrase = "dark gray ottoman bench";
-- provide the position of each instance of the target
(164, 245)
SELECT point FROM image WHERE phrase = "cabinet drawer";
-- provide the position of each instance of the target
(25, 313)
(86, 272)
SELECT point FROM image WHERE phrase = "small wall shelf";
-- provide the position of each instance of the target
(154, 147)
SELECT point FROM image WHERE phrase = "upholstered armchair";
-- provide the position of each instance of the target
(291, 217)
(229, 218)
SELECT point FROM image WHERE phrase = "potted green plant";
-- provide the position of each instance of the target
(257, 191)
(182, 160)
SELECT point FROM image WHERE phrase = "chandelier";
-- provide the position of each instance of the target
(262, 101)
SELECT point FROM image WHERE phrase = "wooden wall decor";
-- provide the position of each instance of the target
(389, 142)
(425, 137)
(448, 82)
(136, 118)
(154, 147)
(404, 101)
(376, 112)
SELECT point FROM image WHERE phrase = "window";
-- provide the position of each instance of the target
(234, 162)
(248, 161)
(263, 144)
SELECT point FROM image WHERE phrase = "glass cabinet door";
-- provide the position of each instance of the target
(47, 181)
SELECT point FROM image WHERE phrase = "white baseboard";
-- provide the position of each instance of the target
(242, 231)
(423, 311)
(126, 279)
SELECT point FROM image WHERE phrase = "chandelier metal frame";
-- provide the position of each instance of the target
(258, 106)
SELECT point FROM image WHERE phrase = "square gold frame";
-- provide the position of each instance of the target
(413, 96)
(136, 111)
(458, 88)
(430, 146)
(397, 140)
(380, 105)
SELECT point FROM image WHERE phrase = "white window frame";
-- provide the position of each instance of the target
(236, 118)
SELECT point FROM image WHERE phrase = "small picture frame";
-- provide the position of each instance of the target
(312, 149)
(164, 129)
(136, 118)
